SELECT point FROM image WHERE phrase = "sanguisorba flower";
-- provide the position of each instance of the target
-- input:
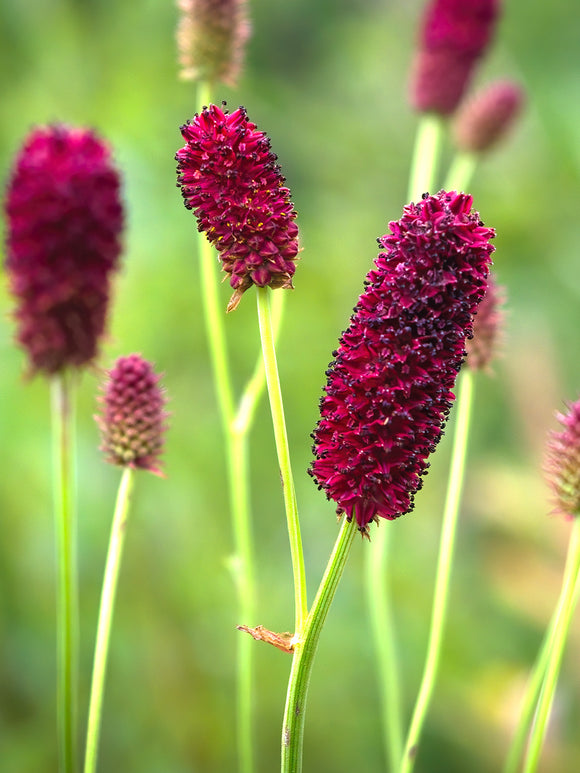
(487, 327)
(211, 37)
(229, 177)
(562, 465)
(453, 36)
(64, 223)
(133, 418)
(388, 391)
(487, 117)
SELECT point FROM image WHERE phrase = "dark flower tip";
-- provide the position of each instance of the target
(211, 38)
(388, 391)
(454, 35)
(229, 178)
(133, 419)
(487, 117)
(562, 465)
(487, 327)
(64, 222)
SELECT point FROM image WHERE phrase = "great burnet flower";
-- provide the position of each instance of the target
(230, 179)
(562, 465)
(487, 117)
(454, 35)
(211, 37)
(64, 222)
(133, 417)
(388, 391)
(487, 327)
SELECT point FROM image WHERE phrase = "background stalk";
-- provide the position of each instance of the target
(110, 581)
(63, 415)
(425, 155)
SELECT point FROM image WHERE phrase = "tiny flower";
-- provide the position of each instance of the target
(229, 178)
(64, 222)
(133, 419)
(487, 117)
(388, 391)
(211, 37)
(454, 35)
(562, 465)
(487, 327)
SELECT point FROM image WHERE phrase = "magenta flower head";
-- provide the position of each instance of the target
(211, 38)
(64, 222)
(454, 35)
(487, 117)
(229, 178)
(133, 420)
(487, 327)
(562, 465)
(388, 391)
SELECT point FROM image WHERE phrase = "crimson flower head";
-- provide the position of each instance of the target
(562, 465)
(454, 35)
(64, 222)
(487, 117)
(133, 420)
(230, 179)
(388, 391)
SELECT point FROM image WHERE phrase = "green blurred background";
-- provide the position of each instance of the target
(327, 81)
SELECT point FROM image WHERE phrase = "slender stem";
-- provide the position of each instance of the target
(305, 650)
(383, 627)
(110, 580)
(461, 171)
(425, 155)
(566, 605)
(281, 438)
(63, 413)
(441, 594)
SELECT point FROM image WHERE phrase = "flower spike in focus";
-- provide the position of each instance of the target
(562, 465)
(230, 179)
(133, 419)
(64, 222)
(388, 391)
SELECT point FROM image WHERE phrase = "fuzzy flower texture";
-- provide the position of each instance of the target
(389, 387)
(562, 464)
(133, 419)
(64, 224)
(230, 179)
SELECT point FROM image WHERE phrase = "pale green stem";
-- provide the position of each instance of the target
(461, 171)
(566, 606)
(63, 417)
(305, 650)
(383, 627)
(425, 156)
(281, 439)
(110, 581)
(444, 564)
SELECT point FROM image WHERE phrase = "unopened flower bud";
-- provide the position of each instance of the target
(487, 117)
(487, 327)
(562, 464)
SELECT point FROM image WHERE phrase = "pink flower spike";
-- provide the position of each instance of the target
(562, 465)
(487, 327)
(64, 222)
(230, 179)
(487, 117)
(388, 391)
(133, 419)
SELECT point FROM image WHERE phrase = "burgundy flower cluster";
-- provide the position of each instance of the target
(454, 35)
(64, 224)
(134, 420)
(389, 387)
(562, 464)
(230, 179)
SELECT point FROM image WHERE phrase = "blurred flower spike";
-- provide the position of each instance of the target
(64, 223)
(230, 179)
(388, 391)
(133, 419)
(211, 39)
(562, 464)
(454, 35)
(486, 118)
(487, 327)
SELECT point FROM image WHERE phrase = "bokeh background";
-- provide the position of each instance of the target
(327, 81)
